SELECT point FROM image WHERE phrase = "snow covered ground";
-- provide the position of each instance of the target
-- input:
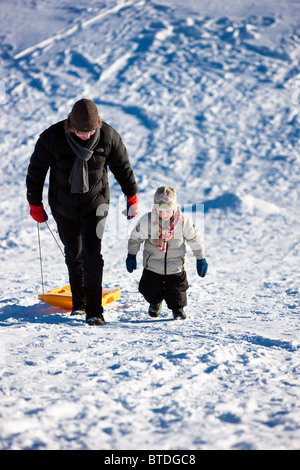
(206, 98)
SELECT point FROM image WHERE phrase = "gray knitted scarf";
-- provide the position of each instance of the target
(79, 176)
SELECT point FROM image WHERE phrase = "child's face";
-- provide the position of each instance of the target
(165, 214)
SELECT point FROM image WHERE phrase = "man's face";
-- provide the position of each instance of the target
(84, 135)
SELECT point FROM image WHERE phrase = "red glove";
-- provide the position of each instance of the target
(131, 207)
(38, 213)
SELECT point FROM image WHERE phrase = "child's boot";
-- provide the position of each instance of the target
(179, 314)
(154, 310)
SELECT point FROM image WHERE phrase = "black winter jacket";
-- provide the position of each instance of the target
(53, 151)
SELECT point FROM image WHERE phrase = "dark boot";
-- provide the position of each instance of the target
(78, 298)
(78, 311)
(94, 309)
(154, 310)
(95, 321)
(179, 314)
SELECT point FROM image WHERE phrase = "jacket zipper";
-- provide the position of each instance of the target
(166, 258)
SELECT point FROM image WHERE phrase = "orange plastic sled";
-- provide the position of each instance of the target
(62, 297)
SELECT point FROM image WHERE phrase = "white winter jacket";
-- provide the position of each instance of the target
(172, 260)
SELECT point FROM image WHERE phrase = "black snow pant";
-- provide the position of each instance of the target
(171, 287)
(84, 261)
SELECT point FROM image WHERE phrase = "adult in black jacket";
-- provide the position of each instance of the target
(78, 151)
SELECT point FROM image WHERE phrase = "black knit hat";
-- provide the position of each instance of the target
(84, 116)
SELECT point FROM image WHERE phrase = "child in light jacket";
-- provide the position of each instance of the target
(164, 231)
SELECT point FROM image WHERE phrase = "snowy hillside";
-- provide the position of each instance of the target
(207, 100)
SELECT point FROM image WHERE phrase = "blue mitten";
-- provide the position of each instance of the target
(130, 262)
(202, 267)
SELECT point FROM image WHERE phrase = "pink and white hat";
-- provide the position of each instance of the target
(165, 198)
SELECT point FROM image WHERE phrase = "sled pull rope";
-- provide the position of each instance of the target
(40, 251)
(55, 239)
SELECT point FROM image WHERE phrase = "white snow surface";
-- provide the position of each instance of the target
(206, 99)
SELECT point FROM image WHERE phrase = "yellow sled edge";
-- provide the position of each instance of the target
(61, 297)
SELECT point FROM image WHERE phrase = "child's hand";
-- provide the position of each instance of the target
(202, 267)
(130, 262)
